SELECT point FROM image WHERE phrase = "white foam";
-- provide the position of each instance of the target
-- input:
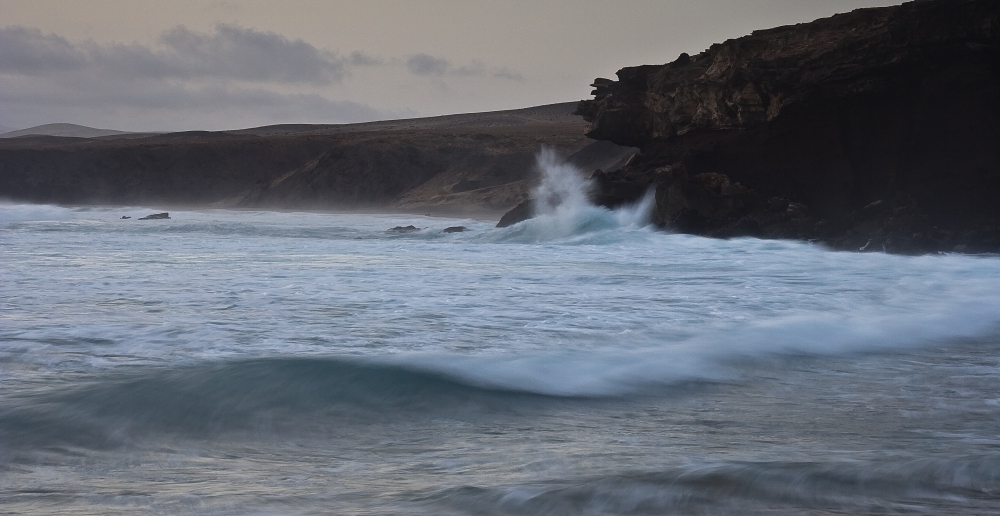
(635, 364)
(563, 208)
(11, 212)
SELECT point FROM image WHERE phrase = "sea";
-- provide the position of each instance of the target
(578, 363)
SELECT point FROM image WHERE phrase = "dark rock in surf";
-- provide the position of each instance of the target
(871, 130)
(156, 216)
(455, 229)
(124, 217)
(403, 229)
(519, 213)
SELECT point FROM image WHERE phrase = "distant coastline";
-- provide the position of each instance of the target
(874, 130)
(478, 164)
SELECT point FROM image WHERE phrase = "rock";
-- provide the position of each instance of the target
(124, 217)
(519, 213)
(403, 229)
(156, 216)
(455, 229)
(863, 129)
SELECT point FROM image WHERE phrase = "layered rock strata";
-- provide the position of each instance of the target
(877, 129)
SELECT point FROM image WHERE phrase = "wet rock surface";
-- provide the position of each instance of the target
(455, 229)
(156, 216)
(403, 229)
(519, 213)
(873, 130)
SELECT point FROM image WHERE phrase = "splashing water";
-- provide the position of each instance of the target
(563, 207)
(563, 188)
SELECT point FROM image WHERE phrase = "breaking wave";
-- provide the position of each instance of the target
(563, 208)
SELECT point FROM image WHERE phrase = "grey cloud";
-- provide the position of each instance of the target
(425, 64)
(476, 69)
(168, 105)
(252, 55)
(428, 65)
(358, 58)
(229, 52)
(511, 75)
(228, 77)
(25, 50)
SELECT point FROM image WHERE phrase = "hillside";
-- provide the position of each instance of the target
(478, 163)
(65, 130)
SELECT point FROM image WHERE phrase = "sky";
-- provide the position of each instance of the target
(183, 65)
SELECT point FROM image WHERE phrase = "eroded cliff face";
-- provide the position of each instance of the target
(875, 129)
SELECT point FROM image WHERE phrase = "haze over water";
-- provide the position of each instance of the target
(577, 363)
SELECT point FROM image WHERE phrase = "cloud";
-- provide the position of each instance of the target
(475, 69)
(28, 51)
(510, 75)
(172, 105)
(227, 77)
(230, 52)
(428, 65)
(425, 64)
(248, 54)
(358, 58)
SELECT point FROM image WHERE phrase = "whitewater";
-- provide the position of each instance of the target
(581, 362)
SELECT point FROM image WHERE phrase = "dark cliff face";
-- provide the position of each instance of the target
(877, 128)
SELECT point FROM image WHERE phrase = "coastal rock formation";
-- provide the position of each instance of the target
(403, 229)
(877, 129)
(156, 216)
(523, 211)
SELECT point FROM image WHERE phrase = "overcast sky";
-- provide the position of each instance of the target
(177, 65)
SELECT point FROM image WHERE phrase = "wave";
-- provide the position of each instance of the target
(970, 483)
(244, 394)
(236, 395)
(564, 211)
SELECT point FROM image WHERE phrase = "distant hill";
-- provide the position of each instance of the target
(561, 113)
(480, 164)
(5, 129)
(71, 130)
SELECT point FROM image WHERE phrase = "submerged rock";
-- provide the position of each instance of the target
(455, 229)
(519, 213)
(156, 216)
(403, 229)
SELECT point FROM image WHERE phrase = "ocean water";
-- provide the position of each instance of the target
(229, 362)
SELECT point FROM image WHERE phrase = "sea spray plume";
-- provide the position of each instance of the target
(563, 209)
(563, 188)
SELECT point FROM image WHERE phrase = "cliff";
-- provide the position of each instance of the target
(874, 129)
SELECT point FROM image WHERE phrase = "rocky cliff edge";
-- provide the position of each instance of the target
(877, 129)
